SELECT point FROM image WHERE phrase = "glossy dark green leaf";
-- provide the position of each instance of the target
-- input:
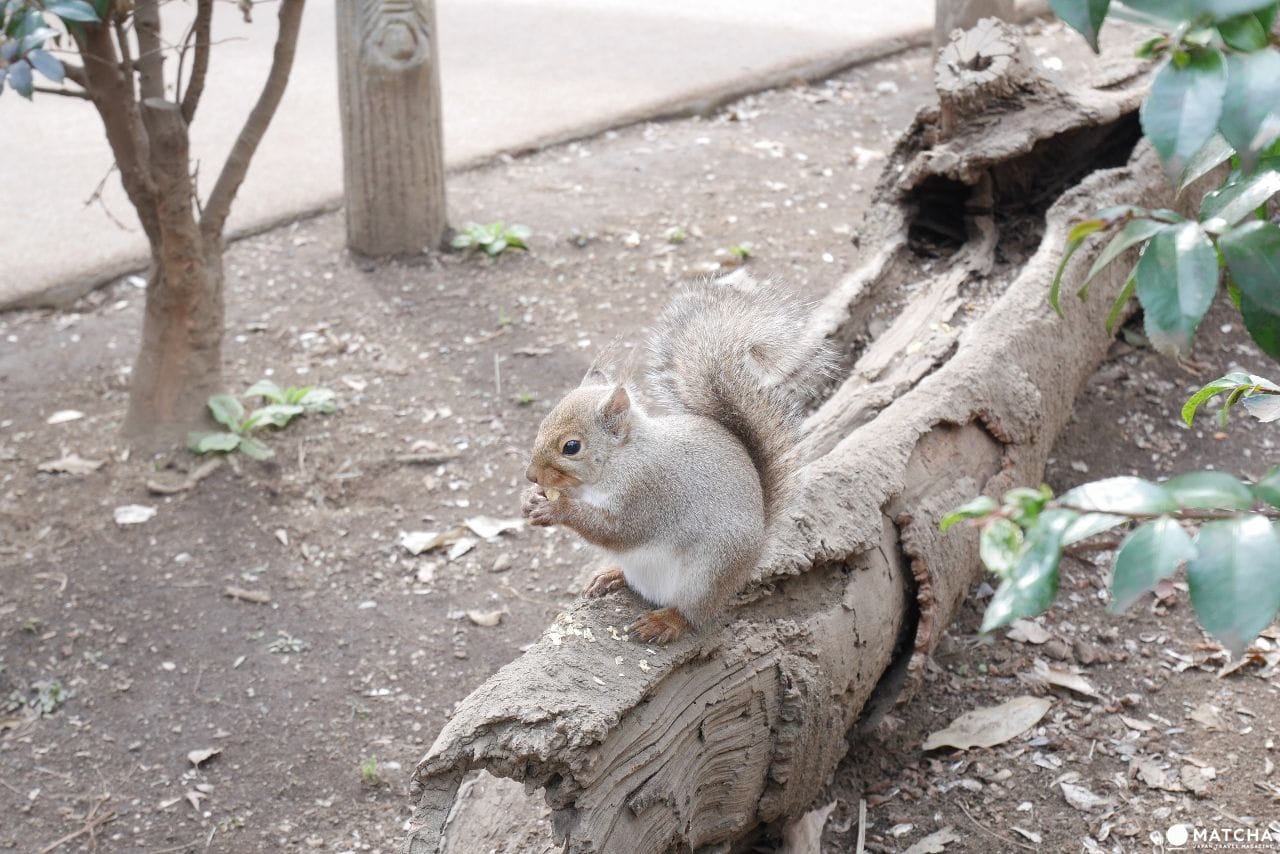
(978, 508)
(1035, 576)
(998, 546)
(1134, 232)
(1264, 328)
(1119, 495)
(1240, 198)
(1243, 32)
(1177, 277)
(1235, 579)
(72, 10)
(1252, 253)
(1218, 10)
(1209, 490)
(1083, 16)
(1250, 120)
(1211, 155)
(1183, 107)
(1268, 488)
(1075, 238)
(1152, 552)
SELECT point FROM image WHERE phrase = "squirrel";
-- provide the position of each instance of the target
(682, 489)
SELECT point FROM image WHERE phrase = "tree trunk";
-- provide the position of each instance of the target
(957, 378)
(952, 15)
(392, 142)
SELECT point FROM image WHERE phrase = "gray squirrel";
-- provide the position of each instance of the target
(682, 488)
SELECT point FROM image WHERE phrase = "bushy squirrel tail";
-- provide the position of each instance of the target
(743, 353)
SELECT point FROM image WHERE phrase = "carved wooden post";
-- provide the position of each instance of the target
(393, 154)
(951, 15)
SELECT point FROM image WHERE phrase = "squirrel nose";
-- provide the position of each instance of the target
(531, 473)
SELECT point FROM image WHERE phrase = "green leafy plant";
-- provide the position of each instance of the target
(1214, 100)
(742, 251)
(1233, 557)
(27, 37)
(287, 643)
(370, 775)
(283, 405)
(49, 695)
(492, 239)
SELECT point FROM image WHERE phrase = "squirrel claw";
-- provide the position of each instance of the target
(660, 627)
(604, 580)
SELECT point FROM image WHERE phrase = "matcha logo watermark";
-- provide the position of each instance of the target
(1185, 837)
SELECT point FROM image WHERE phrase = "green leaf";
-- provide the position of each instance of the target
(227, 411)
(1235, 579)
(1035, 577)
(320, 400)
(20, 78)
(251, 447)
(207, 443)
(1252, 254)
(1264, 328)
(1117, 307)
(275, 415)
(1075, 238)
(1213, 389)
(1083, 16)
(266, 389)
(1226, 206)
(1243, 33)
(72, 10)
(1268, 489)
(1023, 504)
(1211, 155)
(1152, 552)
(1209, 490)
(1249, 110)
(1218, 10)
(1134, 232)
(998, 546)
(47, 65)
(1182, 109)
(1090, 524)
(1264, 407)
(979, 507)
(1119, 495)
(1177, 278)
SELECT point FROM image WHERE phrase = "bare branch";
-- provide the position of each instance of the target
(126, 58)
(66, 93)
(200, 65)
(74, 73)
(237, 165)
(150, 61)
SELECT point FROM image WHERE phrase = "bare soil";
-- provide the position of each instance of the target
(320, 700)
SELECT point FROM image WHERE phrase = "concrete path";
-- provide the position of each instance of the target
(516, 74)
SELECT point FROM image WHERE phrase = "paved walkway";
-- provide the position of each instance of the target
(515, 74)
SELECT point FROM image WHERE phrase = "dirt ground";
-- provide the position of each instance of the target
(319, 700)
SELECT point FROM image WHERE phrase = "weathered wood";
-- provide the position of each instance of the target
(392, 142)
(958, 378)
(952, 15)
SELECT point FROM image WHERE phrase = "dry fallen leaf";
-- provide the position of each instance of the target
(194, 798)
(485, 618)
(487, 526)
(1196, 780)
(1025, 631)
(133, 514)
(1148, 770)
(1208, 716)
(1134, 723)
(461, 547)
(1063, 678)
(1081, 798)
(199, 757)
(935, 842)
(804, 835)
(72, 463)
(991, 725)
(417, 542)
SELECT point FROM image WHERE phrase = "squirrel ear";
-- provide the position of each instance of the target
(616, 409)
(594, 376)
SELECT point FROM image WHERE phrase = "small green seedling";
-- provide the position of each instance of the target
(676, 234)
(493, 239)
(283, 405)
(49, 695)
(525, 398)
(742, 250)
(286, 643)
(369, 774)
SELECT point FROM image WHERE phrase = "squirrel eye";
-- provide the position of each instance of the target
(572, 447)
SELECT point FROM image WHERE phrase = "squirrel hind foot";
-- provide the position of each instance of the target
(661, 626)
(604, 580)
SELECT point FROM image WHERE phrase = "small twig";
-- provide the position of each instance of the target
(1184, 514)
(862, 826)
(92, 821)
(991, 832)
(497, 377)
(1093, 544)
(66, 93)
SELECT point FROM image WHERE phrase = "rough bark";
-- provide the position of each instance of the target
(179, 362)
(392, 141)
(952, 15)
(957, 377)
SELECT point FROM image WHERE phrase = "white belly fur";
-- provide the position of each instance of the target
(655, 573)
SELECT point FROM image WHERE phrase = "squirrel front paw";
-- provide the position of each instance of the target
(540, 510)
(603, 580)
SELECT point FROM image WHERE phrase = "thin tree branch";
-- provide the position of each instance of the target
(237, 165)
(126, 58)
(74, 73)
(1186, 515)
(150, 61)
(66, 93)
(200, 64)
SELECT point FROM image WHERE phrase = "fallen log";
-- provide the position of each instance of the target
(956, 378)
